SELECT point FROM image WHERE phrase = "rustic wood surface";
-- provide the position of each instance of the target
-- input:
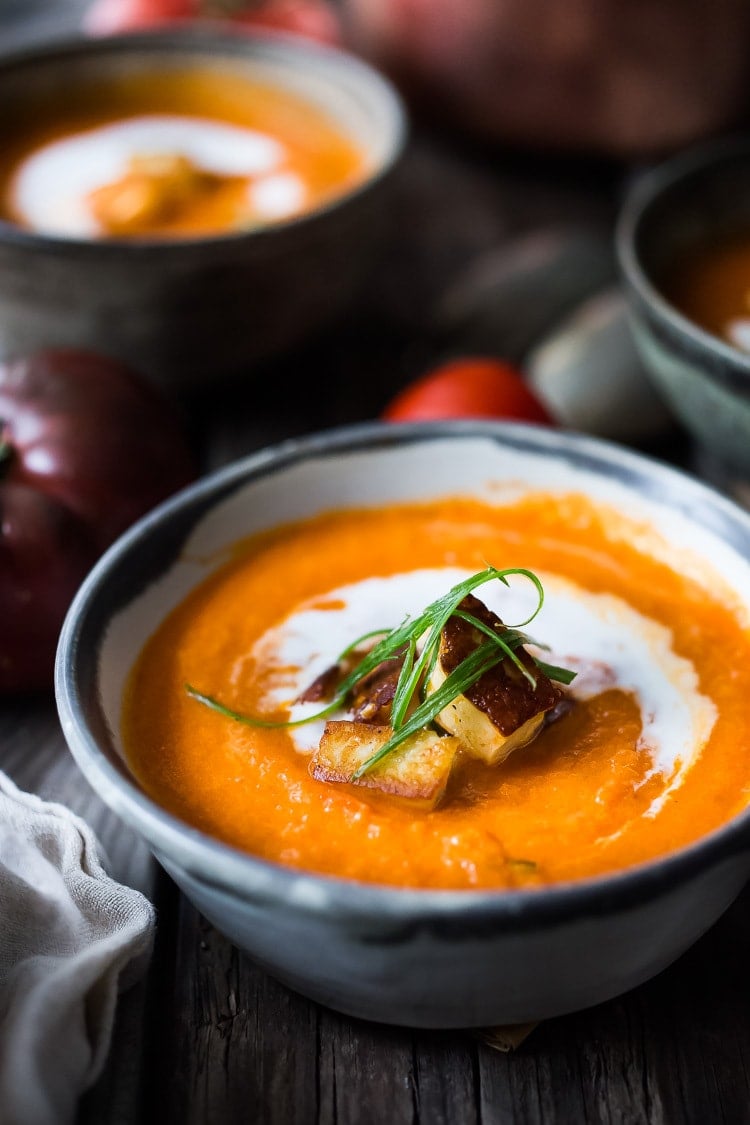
(209, 1038)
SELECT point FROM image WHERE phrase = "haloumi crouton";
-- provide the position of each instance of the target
(501, 711)
(417, 771)
(373, 696)
(323, 687)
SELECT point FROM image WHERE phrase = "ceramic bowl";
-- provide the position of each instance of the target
(421, 958)
(185, 311)
(689, 203)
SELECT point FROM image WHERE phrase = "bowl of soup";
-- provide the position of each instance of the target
(190, 202)
(683, 242)
(527, 840)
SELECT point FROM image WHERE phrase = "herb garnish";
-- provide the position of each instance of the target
(405, 641)
(523, 866)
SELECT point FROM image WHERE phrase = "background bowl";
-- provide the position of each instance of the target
(690, 203)
(423, 958)
(185, 311)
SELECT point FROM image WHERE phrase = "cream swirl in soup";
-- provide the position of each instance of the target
(644, 752)
(609, 644)
(81, 164)
(181, 153)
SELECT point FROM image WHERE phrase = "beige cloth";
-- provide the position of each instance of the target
(67, 932)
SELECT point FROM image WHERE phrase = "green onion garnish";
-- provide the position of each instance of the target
(475, 665)
(417, 667)
(253, 720)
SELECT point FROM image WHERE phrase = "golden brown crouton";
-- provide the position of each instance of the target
(502, 710)
(417, 771)
(153, 189)
(372, 696)
(323, 688)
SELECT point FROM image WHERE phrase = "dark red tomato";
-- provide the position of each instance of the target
(468, 388)
(315, 19)
(85, 431)
(85, 449)
(44, 554)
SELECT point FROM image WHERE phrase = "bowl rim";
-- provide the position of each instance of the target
(645, 192)
(213, 41)
(243, 876)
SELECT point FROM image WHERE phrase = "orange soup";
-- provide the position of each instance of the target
(712, 288)
(649, 750)
(183, 152)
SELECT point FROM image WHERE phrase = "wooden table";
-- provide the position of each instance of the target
(209, 1038)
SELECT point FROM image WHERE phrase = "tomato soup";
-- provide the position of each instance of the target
(712, 287)
(650, 751)
(183, 152)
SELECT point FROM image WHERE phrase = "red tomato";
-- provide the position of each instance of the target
(44, 553)
(315, 19)
(109, 17)
(85, 431)
(468, 388)
(85, 448)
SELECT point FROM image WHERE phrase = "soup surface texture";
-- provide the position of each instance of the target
(653, 753)
(183, 152)
(712, 288)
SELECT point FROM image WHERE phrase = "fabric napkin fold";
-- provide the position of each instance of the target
(68, 933)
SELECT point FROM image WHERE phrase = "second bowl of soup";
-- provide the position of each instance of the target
(684, 247)
(188, 202)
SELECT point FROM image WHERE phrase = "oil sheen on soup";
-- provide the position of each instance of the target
(643, 752)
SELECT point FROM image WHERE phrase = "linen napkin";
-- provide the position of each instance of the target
(67, 933)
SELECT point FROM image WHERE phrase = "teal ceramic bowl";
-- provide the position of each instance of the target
(692, 202)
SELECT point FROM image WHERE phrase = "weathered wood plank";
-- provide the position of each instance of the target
(366, 1073)
(447, 1078)
(237, 1046)
(116, 1097)
(698, 1015)
(675, 1050)
(240, 1046)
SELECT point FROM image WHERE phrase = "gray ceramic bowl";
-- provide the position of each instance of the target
(687, 204)
(424, 958)
(184, 311)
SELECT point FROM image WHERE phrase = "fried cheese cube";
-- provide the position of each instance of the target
(373, 696)
(415, 772)
(502, 711)
(154, 188)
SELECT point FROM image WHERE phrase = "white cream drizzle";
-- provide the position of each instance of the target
(607, 641)
(737, 332)
(277, 196)
(49, 189)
